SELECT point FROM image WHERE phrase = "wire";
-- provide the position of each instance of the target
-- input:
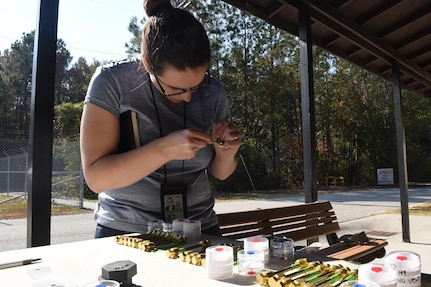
(113, 6)
(95, 51)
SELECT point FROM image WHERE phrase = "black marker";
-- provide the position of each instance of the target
(18, 263)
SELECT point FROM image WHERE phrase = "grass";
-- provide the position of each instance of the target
(267, 194)
(423, 209)
(17, 208)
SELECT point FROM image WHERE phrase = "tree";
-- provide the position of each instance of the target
(133, 48)
(15, 73)
(16, 76)
(78, 79)
(63, 60)
(5, 103)
(355, 122)
(417, 119)
(67, 119)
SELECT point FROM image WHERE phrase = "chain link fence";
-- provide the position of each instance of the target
(67, 177)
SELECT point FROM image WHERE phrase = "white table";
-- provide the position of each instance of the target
(81, 263)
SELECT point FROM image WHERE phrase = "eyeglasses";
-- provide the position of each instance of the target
(205, 83)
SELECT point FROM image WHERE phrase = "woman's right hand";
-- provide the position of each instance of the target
(184, 144)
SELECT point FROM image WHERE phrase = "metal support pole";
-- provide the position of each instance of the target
(81, 188)
(41, 125)
(8, 174)
(401, 148)
(307, 101)
(248, 173)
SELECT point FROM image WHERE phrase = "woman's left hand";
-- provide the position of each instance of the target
(226, 136)
(227, 139)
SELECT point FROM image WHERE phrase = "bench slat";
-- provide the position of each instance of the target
(307, 233)
(259, 214)
(298, 221)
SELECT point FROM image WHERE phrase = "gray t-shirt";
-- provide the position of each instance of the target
(125, 85)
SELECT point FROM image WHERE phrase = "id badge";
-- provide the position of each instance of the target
(174, 201)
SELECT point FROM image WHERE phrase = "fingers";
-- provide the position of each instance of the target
(184, 144)
(236, 135)
(200, 138)
(221, 131)
(225, 134)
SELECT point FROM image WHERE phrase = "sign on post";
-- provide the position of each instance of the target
(385, 176)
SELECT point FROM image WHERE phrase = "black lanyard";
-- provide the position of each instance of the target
(161, 129)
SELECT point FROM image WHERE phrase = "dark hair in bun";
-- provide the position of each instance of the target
(173, 36)
(153, 7)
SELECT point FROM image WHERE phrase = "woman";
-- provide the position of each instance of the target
(184, 128)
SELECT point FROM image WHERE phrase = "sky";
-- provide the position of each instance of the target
(93, 29)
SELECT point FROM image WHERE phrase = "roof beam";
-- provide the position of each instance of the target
(423, 13)
(377, 12)
(338, 23)
(267, 15)
(420, 35)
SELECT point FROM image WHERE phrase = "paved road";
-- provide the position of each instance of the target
(349, 206)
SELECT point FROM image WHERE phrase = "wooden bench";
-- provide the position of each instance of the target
(299, 222)
(334, 180)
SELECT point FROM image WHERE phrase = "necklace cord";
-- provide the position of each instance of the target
(161, 130)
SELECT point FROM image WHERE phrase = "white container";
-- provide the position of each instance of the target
(258, 243)
(154, 225)
(377, 273)
(407, 266)
(177, 226)
(167, 227)
(192, 229)
(282, 248)
(250, 262)
(219, 262)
